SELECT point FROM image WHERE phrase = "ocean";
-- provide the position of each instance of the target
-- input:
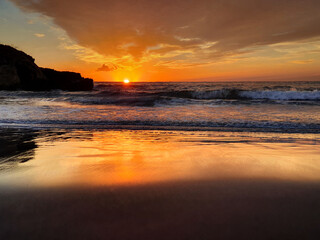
(161, 161)
(224, 106)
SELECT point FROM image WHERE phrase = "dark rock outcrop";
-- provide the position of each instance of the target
(9, 78)
(69, 81)
(19, 71)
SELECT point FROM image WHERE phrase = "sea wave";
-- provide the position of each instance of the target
(157, 98)
(148, 97)
(236, 126)
(282, 95)
(224, 93)
(246, 94)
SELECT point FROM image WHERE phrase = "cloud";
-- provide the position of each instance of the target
(107, 68)
(303, 61)
(180, 30)
(39, 35)
(3, 19)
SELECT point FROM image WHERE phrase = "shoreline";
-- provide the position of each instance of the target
(101, 126)
(145, 184)
(94, 157)
(158, 184)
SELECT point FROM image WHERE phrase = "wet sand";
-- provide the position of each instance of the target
(234, 209)
(158, 185)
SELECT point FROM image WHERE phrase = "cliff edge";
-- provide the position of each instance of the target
(18, 71)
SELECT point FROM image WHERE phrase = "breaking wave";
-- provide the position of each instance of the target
(203, 106)
(152, 98)
(244, 94)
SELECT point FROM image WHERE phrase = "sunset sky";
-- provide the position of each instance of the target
(168, 40)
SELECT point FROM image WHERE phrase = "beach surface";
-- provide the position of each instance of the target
(158, 184)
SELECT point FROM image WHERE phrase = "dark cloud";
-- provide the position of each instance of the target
(107, 68)
(206, 28)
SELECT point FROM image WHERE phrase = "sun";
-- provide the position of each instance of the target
(126, 81)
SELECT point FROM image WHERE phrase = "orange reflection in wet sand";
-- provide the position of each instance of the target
(128, 157)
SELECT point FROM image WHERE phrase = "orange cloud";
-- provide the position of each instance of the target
(185, 33)
(303, 61)
(107, 68)
(39, 35)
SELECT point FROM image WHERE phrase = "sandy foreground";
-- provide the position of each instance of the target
(158, 185)
(234, 209)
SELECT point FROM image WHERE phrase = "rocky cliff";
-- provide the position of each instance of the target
(69, 81)
(19, 71)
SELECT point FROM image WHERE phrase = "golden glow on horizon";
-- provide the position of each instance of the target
(126, 81)
(122, 74)
(179, 47)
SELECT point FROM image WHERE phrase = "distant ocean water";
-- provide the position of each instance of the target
(242, 106)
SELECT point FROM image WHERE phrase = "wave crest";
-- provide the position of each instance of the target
(238, 94)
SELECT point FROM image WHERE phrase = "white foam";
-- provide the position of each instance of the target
(270, 95)
(281, 95)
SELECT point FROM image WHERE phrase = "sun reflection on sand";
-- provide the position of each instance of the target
(139, 157)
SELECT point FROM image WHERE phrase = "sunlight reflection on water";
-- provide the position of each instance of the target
(129, 157)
